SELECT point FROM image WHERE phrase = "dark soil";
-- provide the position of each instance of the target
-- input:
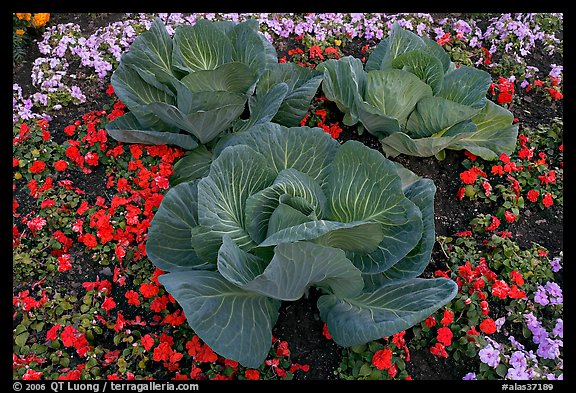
(299, 322)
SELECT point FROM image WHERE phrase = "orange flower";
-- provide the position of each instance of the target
(40, 19)
(20, 32)
(25, 16)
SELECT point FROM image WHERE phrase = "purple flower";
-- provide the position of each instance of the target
(555, 292)
(518, 360)
(490, 356)
(555, 262)
(517, 374)
(469, 377)
(540, 296)
(549, 349)
(558, 330)
(515, 344)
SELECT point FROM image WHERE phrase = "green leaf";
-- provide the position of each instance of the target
(134, 92)
(150, 55)
(235, 323)
(169, 244)
(127, 129)
(200, 47)
(421, 192)
(501, 370)
(436, 114)
(399, 42)
(389, 309)
(467, 86)
(306, 149)
(495, 134)
(286, 216)
(237, 266)
(231, 77)
(312, 230)
(297, 266)
(263, 106)
(210, 113)
(364, 187)
(302, 85)
(344, 80)
(261, 205)
(21, 339)
(251, 47)
(424, 65)
(194, 165)
(235, 174)
(395, 93)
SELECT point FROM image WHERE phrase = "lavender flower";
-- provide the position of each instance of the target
(517, 374)
(558, 330)
(549, 349)
(518, 360)
(540, 296)
(490, 356)
(469, 377)
(555, 262)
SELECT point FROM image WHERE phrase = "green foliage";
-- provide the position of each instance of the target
(282, 209)
(417, 101)
(208, 79)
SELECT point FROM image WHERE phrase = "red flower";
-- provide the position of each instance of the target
(533, 195)
(430, 321)
(517, 277)
(68, 336)
(444, 336)
(439, 350)
(252, 374)
(448, 318)
(110, 90)
(147, 342)
(332, 51)
(488, 326)
(64, 263)
(148, 290)
(52, 333)
(316, 52)
(500, 289)
(108, 303)
(32, 375)
(516, 293)
(132, 297)
(60, 165)
(398, 339)
(509, 216)
(494, 224)
(548, 200)
(89, 240)
(282, 349)
(444, 39)
(468, 177)
(162, 352)
(382, 359)
(325, 332)
(461, 193)
(37, 167)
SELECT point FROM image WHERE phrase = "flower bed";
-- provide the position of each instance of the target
(88, 302)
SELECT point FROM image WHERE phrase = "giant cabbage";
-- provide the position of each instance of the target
(208, 78)
(282, 209)
(417, 102)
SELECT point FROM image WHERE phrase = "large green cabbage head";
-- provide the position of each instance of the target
(208, 78)
(282, 209)
(417, 102)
